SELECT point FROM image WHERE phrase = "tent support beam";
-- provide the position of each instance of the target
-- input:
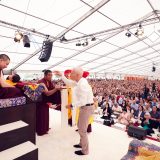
(81, 19)
(124, 27)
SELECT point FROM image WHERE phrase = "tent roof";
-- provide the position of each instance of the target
(112, 51)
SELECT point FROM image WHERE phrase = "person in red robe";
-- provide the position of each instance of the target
(7, 90)
(50, 95)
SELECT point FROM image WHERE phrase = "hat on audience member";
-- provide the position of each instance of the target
(85, 74)
(68, 71)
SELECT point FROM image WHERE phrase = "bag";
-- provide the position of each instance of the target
(108, 122)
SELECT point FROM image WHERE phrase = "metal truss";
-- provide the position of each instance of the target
(131, 53)
(81, 19)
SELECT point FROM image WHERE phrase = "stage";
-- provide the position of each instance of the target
(106, 143)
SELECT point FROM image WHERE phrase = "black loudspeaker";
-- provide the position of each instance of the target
(46, 51)
(137, 132)
(153, 69)
(26, 41)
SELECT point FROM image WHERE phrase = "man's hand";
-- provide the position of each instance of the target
(58, 87)
(58, 73)
(53, 106)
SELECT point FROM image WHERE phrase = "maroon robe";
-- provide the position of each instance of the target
(42, 118)
(10, 92)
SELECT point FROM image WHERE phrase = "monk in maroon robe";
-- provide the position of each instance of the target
(6, 90)
(50, 95)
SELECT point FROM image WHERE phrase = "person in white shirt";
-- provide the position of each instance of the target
(84, 99)
(116, 108)
(134, 105)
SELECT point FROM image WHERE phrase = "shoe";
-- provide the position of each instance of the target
(79, 152)
(77, 146)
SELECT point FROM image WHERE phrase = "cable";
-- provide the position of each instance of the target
(38, 18)
(67, 15)
(26, 12)
(130, 32)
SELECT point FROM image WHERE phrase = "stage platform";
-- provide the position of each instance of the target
(106, 143)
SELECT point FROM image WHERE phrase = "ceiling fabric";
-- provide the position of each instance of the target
(80, 21)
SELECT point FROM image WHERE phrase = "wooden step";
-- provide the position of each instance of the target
(24, 151)
(13, 134)
(12, 126)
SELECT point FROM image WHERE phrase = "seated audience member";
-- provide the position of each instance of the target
(102, 103)
(141, 102)
(134, 105)
(125, 116)
(154, 118)
(158, 107)
(50, 95)
(124, 104)
(154, 102)
(6, 90)
(147, 108)
(139, 114)
(146, 91)
(116, 108)
(95, 102)
(107, 111)
(146, 123)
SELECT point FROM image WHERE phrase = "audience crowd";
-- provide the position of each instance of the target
(135, 102)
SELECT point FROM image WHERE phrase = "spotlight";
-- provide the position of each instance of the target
(63, 39)
(93, 39)
(78, 44)
(85, 43)
(128, 34)
(153, 69)
(26, 41)
(140, 31)
(18, 36)
(46, 51)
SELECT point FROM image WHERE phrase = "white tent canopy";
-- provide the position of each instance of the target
(79, 21)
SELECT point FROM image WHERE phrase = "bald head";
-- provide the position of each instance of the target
(78, 70)
(76, 73)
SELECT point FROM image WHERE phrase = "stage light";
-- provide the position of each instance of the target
(26, 41)
(93, 39)
(85, 43)
(18, 36)
(46, 51)
(63, 39)
(153, 69)
(128, 34)
(78, 43)
(140, 31)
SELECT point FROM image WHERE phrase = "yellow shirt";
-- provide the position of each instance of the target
(10, 83)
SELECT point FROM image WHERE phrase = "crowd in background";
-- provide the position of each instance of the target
(136, 101)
